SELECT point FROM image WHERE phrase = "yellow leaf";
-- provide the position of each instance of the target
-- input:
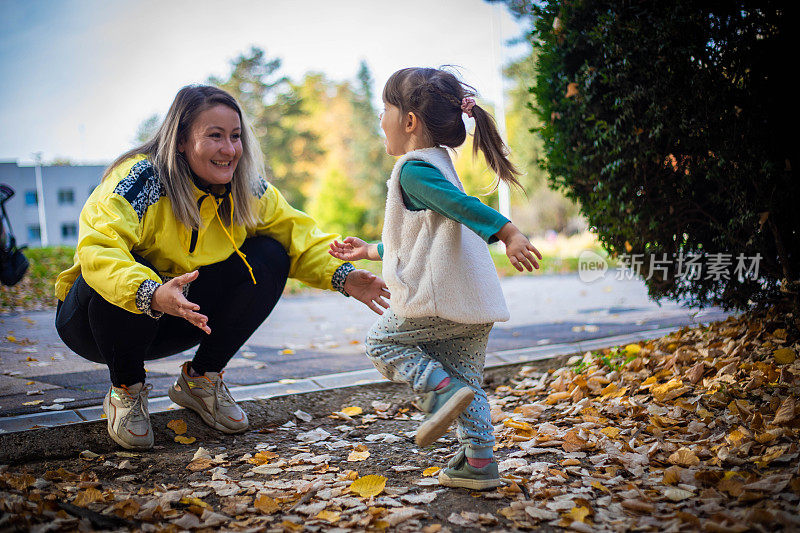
(784, 356)
(287, 351)
(356, 455)
(186, 500)
(329, 516)
(736, 436)
(430, 471)
(265, 504)
(669, 390)
(579, 513)
(368, 486)
(178, 426)
(598, 485)
(633, 349)
(511, 423)
(292, 526)
(87, 496)
(352, 411)
(262, 457)
(185, 440)
(610, 432)
(11, 338)
(34, 402)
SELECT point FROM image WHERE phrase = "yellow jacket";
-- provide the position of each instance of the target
(129, 212)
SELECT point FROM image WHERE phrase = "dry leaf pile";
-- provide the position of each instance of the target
(697, 430)
(694, 431)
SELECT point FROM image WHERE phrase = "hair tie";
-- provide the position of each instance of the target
(466, 106)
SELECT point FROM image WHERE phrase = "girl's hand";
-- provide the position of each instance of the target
(169, 299)
(519, 249)
(368, 289)
(351, 249)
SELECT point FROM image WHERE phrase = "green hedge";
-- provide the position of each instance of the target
(670, 124)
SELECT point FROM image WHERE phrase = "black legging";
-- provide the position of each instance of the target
(105, 333)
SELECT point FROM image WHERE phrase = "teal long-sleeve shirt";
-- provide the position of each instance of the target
(424, 187)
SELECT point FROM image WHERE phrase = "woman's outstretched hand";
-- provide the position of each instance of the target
(353, 249)
(368, 288)
(519, 249)
(169, 299)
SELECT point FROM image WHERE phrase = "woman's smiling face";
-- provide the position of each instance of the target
(214, 145)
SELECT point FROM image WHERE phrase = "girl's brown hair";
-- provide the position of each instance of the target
(435, 96)
(173, 168)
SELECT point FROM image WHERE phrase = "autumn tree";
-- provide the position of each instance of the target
(271, 102)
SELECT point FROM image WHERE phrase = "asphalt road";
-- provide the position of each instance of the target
(319, 333)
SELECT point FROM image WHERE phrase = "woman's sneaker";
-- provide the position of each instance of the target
(443, 407)
(459, 473)
(128, 416)
(208, 396)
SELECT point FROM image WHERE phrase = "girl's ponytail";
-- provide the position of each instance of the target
(438, 98)
(487, 139)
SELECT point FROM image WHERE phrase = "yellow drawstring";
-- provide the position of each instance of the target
(230, 237)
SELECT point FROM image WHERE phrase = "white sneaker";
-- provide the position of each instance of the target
(128, 416)
(210, 398)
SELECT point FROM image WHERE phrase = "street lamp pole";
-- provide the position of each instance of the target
(40, 199)
(504, 195)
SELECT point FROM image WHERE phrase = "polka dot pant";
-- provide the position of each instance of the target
(423, 351)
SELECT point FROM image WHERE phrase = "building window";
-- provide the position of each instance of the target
(34, 233)
(69, 231)
(31, 199)
(66, 197)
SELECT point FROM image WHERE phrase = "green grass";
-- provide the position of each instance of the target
(36, 291)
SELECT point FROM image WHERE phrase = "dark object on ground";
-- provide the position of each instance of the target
(664, 121)
(13, 263)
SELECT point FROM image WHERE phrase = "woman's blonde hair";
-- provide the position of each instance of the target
(436, 96)
(173, 170)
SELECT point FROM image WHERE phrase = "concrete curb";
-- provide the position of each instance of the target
(65, 433)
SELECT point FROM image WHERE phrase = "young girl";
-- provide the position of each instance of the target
(445, 294)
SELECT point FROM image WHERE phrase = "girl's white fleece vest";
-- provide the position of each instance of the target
(433, 265)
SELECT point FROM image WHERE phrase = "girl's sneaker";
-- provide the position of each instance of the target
(459, 473)
(210, 398)
(128, 416)
(443, 407)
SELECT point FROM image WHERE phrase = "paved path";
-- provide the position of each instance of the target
(320, 333)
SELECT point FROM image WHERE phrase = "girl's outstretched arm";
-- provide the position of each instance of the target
(353, 249)
(519, 249)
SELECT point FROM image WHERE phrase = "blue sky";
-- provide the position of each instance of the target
(77, 77)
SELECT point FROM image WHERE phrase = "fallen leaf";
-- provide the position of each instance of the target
(328, 516)
(784, 356)
(367, 486)
(672, 475)
(785, 412)
(431, 471)
(352, 411)
(262, 457)
(178, 426)
(184, 440)
(265, 504)
(677, 495)
(579, 513)
(684, 457)
(87, 496)
(357, 456)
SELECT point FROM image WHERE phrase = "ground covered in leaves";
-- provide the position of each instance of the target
(694, 431)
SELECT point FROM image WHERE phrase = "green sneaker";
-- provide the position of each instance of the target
(443, 407)
(459, 473)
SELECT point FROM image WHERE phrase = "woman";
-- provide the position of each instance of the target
(183, 243)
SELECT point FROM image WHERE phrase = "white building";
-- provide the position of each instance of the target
(66, 189)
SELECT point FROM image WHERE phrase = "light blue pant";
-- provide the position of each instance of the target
(423, 351)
